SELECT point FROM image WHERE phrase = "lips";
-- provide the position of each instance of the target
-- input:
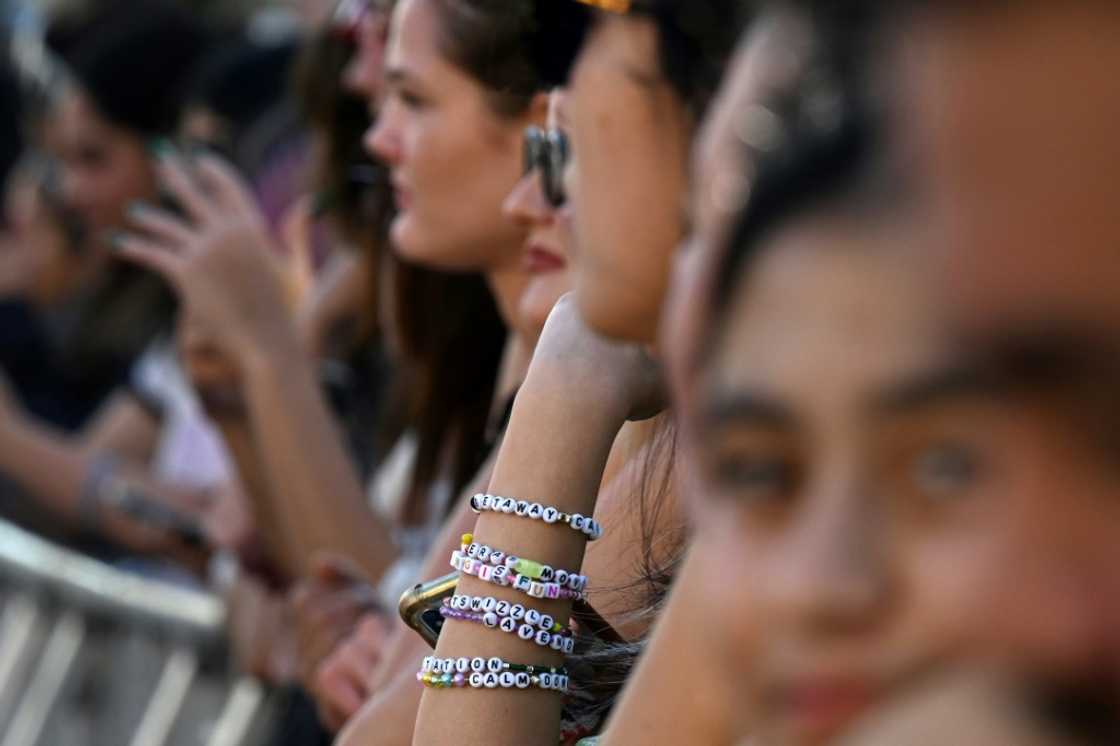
(820, 709)
(541, 260)
(402, 196)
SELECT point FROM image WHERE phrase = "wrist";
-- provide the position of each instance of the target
(271, 346)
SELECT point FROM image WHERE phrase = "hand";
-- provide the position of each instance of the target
(328, 606)
(342, 682)
(572, 357)
(220, 258)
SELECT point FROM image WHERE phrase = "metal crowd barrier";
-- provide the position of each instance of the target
(93, 656)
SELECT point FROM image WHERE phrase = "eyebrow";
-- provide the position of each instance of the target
(948, 385)
(747, 408)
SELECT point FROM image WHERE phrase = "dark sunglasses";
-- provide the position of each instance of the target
(546, 152)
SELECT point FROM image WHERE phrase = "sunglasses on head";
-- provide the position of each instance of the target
(546, 152)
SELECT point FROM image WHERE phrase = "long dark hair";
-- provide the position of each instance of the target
(448, 326)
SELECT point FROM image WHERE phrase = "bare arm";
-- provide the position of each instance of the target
(565, 420)
(54, 469)
(225, 268)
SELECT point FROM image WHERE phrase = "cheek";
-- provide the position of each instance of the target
(726, 586)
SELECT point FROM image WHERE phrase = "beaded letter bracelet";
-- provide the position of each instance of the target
(532, 570)
(493, 673)
(589, 527)
(530, 625)
(503, 576)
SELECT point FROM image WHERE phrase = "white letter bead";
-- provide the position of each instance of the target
(522, 508)
(476, 604)
(483, 553)
(494, 665)
(478, 664)
(547, 622)
(509, 505)
(550, 515)
(426, 666)
(524, 584)
(532, 616)
(462, 665)
(497, 558)
(508, 680)
(490, 680)
(508, 624)
(561, 577)
(536, 590)
(553, 590)
(447, 666)
(543, 638)
(490, 619)
(536, 510)
(547, 573)
(556, 643)
(517, 611)
(500, 575)
(489, 603)
(546, 680)
(475, 680)
(569, 645)
(485, 572)
(502, 608)
(577, 522)
(525, 632)
(522, 680)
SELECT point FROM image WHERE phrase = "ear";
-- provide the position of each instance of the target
(538, 109)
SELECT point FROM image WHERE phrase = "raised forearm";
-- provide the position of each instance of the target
(553, 453)
(314, 487)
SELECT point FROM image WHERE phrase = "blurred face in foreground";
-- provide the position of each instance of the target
(857, 479)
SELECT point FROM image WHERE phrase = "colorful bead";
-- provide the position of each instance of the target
(587, 526)
(530, 625)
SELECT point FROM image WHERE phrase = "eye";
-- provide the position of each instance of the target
(946, 469)
(753, 477)
(411, 99)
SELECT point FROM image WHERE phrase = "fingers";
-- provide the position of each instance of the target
(149, 255)
(184, 187)
(160, 225)
(229, 192)
(335, 570)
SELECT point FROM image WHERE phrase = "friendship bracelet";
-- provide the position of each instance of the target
(529, 624)
(589, 527)
(503, 576)
(533, 570)
(493, 673)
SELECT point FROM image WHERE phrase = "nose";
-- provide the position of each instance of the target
(526, 206)
(833, 576)
(383, 139)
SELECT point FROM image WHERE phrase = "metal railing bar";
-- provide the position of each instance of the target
(98, 589)
(236, 721)
(46, 685)
(21, 616)
(167, 701)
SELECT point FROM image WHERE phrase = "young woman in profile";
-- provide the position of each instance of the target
(638, 88)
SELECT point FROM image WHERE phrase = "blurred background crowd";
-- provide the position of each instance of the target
(801, 314)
